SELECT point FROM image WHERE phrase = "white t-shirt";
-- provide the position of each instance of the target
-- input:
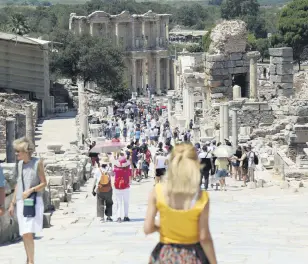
(160, 161)
(203, 155)
(152, 134)
(98, 174)
(147, 132)
(155, 132)
(251, 162)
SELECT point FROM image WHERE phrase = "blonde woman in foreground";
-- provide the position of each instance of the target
(28, 194)
(184, 213)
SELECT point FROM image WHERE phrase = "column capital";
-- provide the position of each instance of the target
(253, 55)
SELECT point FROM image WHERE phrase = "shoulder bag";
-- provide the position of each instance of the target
(30, 202)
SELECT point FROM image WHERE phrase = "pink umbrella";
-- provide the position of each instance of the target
(107, 147)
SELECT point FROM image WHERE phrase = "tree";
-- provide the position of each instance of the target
(206, 40)
(292, 26)
(231, 9)
(215, 2)
(262, 45)
(90, 59)
(19, 25)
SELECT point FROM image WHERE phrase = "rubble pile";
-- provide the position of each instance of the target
(13, 105)
(228, 37)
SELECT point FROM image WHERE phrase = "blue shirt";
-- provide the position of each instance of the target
(2, 179)
(137, 134)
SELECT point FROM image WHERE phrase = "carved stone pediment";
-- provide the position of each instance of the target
(150, 14)
(98, 14)
(124, 15)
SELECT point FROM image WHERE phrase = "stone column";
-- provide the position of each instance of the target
(29, 123)
(10, 137)
(234, 129)
(143, 34)
(158, 33)
(237, 93)
(221, 123)
(19, 125)
(226, 121)
(167, 33)
(158, 85)
(167, 74)
(133, 35)
(91, 28)
(106, 27)
(117, 33)
(169, 107)
(83, 117)
(134, 73)
(144, 73)
(253, 56)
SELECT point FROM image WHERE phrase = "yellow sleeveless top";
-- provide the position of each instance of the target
(179, 226)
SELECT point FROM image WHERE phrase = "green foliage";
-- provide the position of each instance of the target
(231, 9)
(194, 48)
(206, 40)
(251, 41)
(262, 45)
(292, 25)
(90, 59)
(18, 24)
(215, 2)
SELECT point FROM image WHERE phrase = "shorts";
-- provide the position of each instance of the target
(134, 165)
(152, 138)
(156, 138)
(160, 172)
(221, 173)
(235, 164)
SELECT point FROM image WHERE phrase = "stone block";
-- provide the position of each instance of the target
(284, 185)
(281, 52)
(286, 68)
(236, 56)
(251, 185)
(69, 197)
(215, 57)
(288, 78)
(285, 92)
(239, 63)
(56, 147)
(296, 184)
(272, 69)
(215, 65)
(227, 83)
(215, 84)
(220, 89)
(260, 183)
(284, 85)
(238, 70)
(280, 60)
(230, 64)
(218, 71)
(56, 203)
(56, 180)
(46, 220)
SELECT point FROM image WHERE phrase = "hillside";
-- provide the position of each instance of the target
(179, 2)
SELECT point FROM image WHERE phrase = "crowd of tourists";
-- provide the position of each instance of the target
(154, 150)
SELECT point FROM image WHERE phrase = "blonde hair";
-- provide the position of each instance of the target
(183, 174)
(24, 145)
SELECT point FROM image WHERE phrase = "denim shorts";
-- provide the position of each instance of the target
(2, 179)
(221, 173)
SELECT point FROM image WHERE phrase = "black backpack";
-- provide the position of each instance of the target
(255, 159)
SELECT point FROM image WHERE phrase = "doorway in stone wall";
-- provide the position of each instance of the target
(240, 80)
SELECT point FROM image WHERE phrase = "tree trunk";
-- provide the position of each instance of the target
(299, 65)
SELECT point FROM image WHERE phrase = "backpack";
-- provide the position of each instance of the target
(185, 137)
(245, 163)
(104, 184)
(255, 159)
(120, 183)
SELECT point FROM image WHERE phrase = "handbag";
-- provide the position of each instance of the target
(29, 203)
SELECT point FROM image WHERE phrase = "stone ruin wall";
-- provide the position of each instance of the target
(13, 105)
(219, 70)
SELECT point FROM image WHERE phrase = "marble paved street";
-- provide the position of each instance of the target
(262, 226)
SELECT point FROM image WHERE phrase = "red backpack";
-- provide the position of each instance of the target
(121, 180)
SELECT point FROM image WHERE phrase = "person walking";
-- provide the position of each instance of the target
(252, 162)
(31, 181)
(124, 131)
(244, 165)
(207, 165)
(235, 163)
(122, 182)
(102, 188)
(2, 192)
(222, 165)
(159, 165)
(185, 236)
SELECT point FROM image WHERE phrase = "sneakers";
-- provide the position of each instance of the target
(119, 220)
(109, 219)
(126, 219)
(102, 220)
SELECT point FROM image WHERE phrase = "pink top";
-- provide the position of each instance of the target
(122, 172)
